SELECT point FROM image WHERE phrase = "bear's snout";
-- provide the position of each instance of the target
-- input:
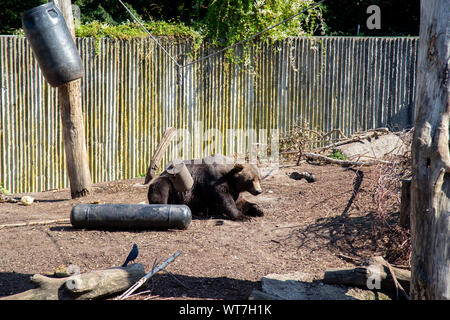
(256, 188)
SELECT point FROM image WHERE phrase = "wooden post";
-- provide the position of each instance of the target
(405, 204)
(430, 188)
(69, 97)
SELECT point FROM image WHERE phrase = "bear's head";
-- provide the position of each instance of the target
(246, 177)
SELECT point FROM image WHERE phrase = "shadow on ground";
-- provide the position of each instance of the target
(183, 286)
(351, 236)
(12, 283)
(161, 285)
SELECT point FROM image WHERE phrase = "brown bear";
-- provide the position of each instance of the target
(218, 184)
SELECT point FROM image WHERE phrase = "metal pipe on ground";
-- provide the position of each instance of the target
(130, 216)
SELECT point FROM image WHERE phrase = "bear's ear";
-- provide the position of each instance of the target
(238, 167)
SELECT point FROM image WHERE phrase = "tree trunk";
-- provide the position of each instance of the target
(430, 188)
(69, 97)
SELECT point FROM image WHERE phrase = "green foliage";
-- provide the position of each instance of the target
(133, 30)
(10, 19)
(230, 21)
(4, 190)
(338, 155)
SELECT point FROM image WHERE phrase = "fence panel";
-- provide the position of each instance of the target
(132, 92)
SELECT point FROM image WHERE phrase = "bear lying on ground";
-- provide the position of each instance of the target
(217, 188)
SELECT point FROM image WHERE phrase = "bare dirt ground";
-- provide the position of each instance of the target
(306, 228)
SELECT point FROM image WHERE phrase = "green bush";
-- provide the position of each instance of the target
(338, 155)
(230, 21)
(4, 190)
(130, 30)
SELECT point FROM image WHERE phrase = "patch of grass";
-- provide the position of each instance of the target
(338, 155)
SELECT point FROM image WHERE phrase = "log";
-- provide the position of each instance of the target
(69, 97)
(344, 163)
(373, 267)
(92, 285)
(430, 185)
(168, 135)
(405, 204)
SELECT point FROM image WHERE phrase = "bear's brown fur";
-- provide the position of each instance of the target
(218, 184)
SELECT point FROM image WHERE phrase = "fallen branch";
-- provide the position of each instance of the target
(141, 281)
(374, 268)
(359, 136)
(344, 163)
(33, 223)
(85, 286)
(398, 286)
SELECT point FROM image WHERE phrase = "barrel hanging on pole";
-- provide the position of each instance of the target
(52, 44)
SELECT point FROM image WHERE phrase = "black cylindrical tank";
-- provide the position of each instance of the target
(130, 216)
(52, 44)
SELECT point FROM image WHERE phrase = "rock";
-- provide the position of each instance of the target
(27, 200)
(301, 286)
(374, 148)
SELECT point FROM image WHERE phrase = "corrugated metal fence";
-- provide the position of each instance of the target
(132, 92)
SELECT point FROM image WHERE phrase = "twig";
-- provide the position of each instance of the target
(33, 223)
(151, 297)
(139, 293)
(349, 259)
(141, 281)
(397, 284)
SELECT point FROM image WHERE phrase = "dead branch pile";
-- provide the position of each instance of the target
(302, 141)
(387, 200)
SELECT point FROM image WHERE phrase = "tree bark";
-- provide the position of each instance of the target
(430, 186)
(69, 97)
(405, 204)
